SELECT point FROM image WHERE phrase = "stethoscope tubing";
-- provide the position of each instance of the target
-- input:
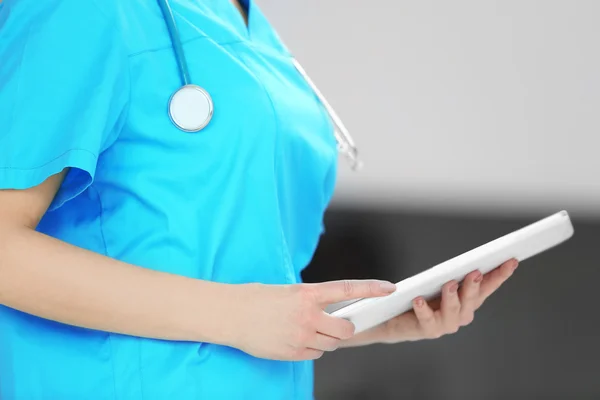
(169, 17)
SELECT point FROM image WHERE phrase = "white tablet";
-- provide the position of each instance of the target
(521, 244)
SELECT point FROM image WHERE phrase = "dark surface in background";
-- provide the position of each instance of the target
(535, 338)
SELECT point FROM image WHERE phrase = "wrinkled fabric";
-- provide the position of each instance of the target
(85, 85)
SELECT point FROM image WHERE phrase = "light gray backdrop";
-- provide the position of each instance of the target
(459, 105)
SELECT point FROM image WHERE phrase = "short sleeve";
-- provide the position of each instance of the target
(64, 89)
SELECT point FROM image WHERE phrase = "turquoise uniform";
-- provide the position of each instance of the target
(85, 85)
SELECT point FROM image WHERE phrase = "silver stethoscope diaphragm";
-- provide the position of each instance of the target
(190, 108)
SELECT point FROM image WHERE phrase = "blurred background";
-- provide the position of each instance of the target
(474, 118)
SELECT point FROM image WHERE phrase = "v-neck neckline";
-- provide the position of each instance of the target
(244, 20)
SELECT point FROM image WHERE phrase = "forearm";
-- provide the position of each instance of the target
(45, 277)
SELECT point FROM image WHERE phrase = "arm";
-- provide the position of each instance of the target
(49, 278)
(52, 279)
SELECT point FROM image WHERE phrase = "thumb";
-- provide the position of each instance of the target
(336, 291)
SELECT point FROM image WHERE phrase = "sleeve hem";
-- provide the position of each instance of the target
(79, 159)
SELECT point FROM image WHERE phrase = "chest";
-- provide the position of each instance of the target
(261, 103)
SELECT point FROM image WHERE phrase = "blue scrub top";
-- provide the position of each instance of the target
(85, 85)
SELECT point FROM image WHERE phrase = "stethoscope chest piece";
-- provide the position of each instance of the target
(190, 108)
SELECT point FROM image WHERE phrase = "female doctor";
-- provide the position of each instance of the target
(152, 232)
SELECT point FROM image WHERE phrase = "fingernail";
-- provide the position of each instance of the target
(388, 287)
(454, 288)
(419, 302)
(515, 265)
(478, 278)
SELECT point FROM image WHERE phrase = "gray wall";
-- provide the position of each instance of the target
(476, 105)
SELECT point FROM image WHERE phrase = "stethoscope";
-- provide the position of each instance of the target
(191, 107)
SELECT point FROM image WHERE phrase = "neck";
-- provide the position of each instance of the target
(239, 7)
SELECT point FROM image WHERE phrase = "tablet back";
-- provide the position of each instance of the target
(521, 244)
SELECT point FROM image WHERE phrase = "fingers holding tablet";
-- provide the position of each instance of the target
(428, 320)
(494, 279)
(450, 307)
(469, 297)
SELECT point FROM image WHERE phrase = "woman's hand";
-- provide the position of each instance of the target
(439, 317)
(287, 322)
